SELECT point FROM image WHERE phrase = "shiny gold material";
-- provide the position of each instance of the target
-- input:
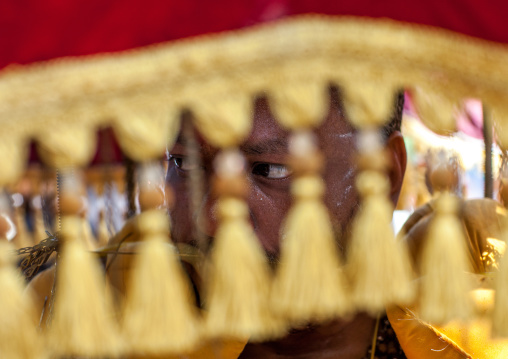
(73, 97)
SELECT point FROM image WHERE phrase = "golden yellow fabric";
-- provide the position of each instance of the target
(420, 340)
(151, 85)
(475, 338)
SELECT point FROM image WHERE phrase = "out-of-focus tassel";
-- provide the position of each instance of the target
(237, 295)
(18, 336)
(445, 285)
(159, 317)
(309, 284)
(83, 321)
(378, 265)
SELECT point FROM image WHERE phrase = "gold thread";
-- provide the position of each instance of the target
(91, 91)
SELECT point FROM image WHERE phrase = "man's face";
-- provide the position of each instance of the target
(269, 199)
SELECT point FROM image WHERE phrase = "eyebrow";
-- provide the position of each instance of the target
(268, 146)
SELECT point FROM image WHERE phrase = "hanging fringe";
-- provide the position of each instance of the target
(378, 265)
(309, 284)
(83, 322)
(238, 287)
(238, 291)
(159, 317)
(445, 286)
(18, 336)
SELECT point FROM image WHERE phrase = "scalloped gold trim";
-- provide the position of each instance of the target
(96, 91)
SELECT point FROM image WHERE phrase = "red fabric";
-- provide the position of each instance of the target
(35, 30)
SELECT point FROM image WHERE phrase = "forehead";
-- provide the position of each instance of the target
(331, 133)
(265, 126)
(335, 134)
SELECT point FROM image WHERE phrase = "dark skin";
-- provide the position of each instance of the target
(269, 200)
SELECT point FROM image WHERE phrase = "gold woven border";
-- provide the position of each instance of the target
(80, 94)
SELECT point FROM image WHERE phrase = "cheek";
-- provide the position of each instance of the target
(268, 208)
(341, 196)
(340, 192)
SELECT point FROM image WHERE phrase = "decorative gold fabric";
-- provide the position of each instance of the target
(62, 102)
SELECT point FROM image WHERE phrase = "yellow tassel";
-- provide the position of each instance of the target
(445, 285)
(158, 316)
(309, 285)
(378, 266)
(83, 322)
(18, 336)
(239, 283)
(500, 313)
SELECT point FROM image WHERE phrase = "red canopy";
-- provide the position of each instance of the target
(36, 30)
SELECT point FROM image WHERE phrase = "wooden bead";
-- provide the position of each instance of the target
(151, 199)
(231, 186)
(70, 204)
(229, 163)
(444, 178)
(375, 161)
(308, 164)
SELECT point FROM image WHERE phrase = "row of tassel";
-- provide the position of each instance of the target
(242, 300)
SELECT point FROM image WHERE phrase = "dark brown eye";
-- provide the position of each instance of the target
(181, 163)
(270, 170)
